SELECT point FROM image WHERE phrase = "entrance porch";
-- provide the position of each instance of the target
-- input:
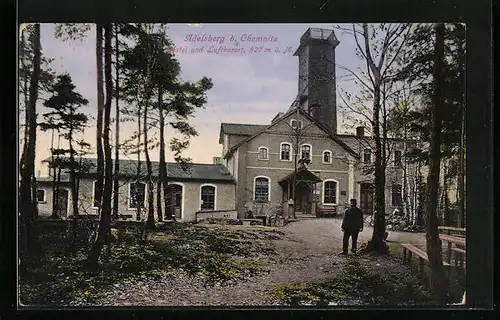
(305, 199)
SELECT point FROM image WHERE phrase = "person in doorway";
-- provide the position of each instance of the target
(351, 226)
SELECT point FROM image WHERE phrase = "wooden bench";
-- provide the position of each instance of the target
(409, 249)
(450, 230)
(461, 256)
(452, 240)
(251, 222)
(327, 211)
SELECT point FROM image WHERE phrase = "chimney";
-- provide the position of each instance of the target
(360, 131)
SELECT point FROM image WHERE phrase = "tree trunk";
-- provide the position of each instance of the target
(117, 127)
(78, 177)
(103, 234)
(72, 175)
(421, 198)
(138, 177)
(438, 280)
(54, 177)
(162, 175)
(59, 169)
(377, 242)
(29, 245)
(72, 178)
(151, 214)
(100, 108)
(294, 182)
(150, 217)
(461, 174)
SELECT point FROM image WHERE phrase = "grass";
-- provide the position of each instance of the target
(216, 255)
(360, 282)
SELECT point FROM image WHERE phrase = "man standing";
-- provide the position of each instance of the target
(351, 226)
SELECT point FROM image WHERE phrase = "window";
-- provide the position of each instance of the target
(137, 195)
(263, 153)
(306, 152)
(261, 189)
(40, 195)
(367, 156)
(330, 192)
(327, 156)
(293, 124)
(301, 125)
(207, 198)
(397, 158)
(285, 152)
(397, 199)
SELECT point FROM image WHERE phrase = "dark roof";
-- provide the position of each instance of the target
(239, 129)
(319, 125)
(302, 174)
(354, 142)
(64, 178)
(278, 116)
(195, 171)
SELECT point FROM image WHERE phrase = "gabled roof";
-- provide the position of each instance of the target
(302, 174)
(195, 171)
(277, 117)
(239, 129)
(310, 118)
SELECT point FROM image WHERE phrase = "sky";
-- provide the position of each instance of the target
(248, 87)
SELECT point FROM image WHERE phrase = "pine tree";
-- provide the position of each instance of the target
(65, 118)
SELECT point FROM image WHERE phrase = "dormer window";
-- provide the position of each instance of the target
(327, 156)
(263, 153)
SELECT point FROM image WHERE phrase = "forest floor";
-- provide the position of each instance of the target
(228, 265)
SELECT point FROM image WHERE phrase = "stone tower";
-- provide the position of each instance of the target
(317, 83)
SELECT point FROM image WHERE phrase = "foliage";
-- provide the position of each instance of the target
(418, 68)
(216, 255)
(64, 104)
(359, 282)
(47, 75)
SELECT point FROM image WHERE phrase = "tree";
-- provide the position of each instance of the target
(64, 116)
(100, 110)
(29, 246)
(150, 67)
(117, 123)
(438, 278)
(419, 68)
(103, 233)
(379, 46)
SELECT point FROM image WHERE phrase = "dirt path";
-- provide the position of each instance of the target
(309, 251)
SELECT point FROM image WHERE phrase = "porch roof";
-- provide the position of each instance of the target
(302, 174)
